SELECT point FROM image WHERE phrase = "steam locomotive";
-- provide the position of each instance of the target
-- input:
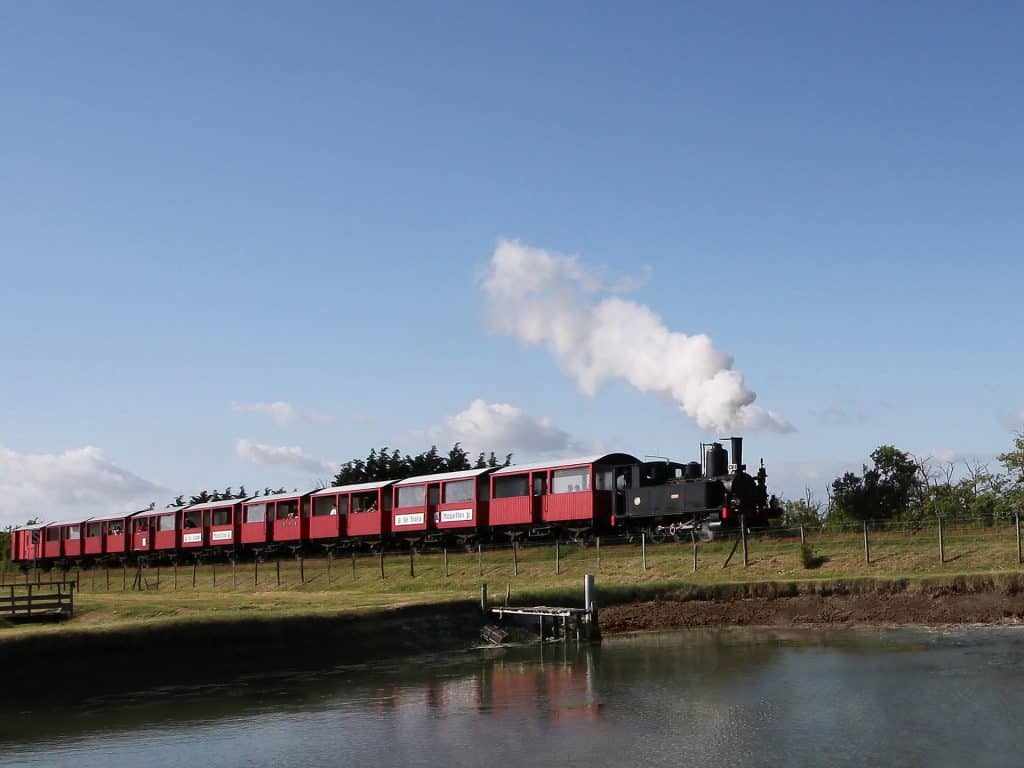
(671, 499)
(566, 498)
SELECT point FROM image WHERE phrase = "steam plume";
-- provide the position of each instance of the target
(553, 300)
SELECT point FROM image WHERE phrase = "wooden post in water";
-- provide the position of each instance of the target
(867, 545)
(515, 559)
(693, 541)
(277, 566)
(1020, 554)
(479, 559)
(942, 544)
(558, 560)
(743, 538)
(643, 550)
(445, 555)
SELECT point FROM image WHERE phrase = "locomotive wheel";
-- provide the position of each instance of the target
(655, 536)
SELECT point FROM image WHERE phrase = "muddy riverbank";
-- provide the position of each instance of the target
(977, 600)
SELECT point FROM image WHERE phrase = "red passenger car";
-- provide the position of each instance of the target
(455, 502)
(108, 534)
(27, 543)
(281, 518)
(213, 524)
(52, 542)
(574, 495)
(69, 536)
(362, 510)
(156, 530)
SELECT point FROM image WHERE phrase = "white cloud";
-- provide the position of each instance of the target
(289, 456)
(1012, 421)
(77, 483)
(504, 428)
(285, 414)
(549, 299)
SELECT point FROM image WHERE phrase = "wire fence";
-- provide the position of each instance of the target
(870, 547)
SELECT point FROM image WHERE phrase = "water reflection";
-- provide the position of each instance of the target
(721, 698)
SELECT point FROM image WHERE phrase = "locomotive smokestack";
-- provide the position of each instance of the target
(737, 453)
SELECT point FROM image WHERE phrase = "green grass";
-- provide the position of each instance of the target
(901, 555)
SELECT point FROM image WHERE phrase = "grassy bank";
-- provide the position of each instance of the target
(221, 593)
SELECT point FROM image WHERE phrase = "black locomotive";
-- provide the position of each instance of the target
(669, 499)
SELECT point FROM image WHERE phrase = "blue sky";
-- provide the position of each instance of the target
(208, 208)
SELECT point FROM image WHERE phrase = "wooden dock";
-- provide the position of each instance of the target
(553, 621)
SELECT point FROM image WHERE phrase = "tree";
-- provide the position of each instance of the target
(890, 489)
(386, 464)
(804, 511)
(1013, 463)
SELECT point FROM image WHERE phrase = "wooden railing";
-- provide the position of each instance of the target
(53, 599)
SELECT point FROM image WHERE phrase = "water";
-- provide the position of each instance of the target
(726, 698)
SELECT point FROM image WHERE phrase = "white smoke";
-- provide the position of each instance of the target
(553, 300)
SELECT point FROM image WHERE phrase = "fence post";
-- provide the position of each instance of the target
(483, 598)
(693, 541)
(124, 576)
(353, 564)
(1020, 554)
(277, 566)
(213, 569)
(802, 539)
(597, 546)
(515, 558)
(330, 555)
(558, 559)
(445, 553)
(234, 575)
(479, 558)
(175, 575)
(381, 558)
(302, 569)
(106, 569)
(867, 544)
(743, 538)
(256, 571)
(158, 575)
(643, 549)
(942, 544)
(412, 562)
(195, 570)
